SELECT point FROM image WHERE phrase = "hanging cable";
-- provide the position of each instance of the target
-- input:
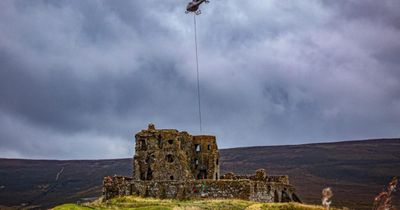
(197, 70)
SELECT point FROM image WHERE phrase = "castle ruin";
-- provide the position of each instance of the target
(173, 164)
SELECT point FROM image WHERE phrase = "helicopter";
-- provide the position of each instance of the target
(194, 5)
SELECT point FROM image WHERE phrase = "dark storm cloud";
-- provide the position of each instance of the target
(79, 78)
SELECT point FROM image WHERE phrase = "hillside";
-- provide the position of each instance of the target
(33, 182)
(356, 170)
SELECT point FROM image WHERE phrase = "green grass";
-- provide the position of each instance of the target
(139, 203)
(71, 207)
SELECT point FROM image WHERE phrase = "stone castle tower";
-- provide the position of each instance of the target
(167, 154)
(174, 164)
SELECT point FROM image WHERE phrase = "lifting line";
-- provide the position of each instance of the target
(197, 70)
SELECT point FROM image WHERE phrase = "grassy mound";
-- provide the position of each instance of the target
(133, 202)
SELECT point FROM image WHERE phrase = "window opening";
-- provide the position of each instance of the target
(143, 144)
(170, 158)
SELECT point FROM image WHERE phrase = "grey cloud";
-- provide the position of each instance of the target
(78, 79)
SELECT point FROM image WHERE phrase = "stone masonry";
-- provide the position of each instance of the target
(173, 164)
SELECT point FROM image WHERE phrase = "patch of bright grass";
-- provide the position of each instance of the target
(290, 206)
(139, 203)
(71, 207)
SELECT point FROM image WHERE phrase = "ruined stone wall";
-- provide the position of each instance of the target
(260, 175)
(206, 157)
(167, 154)
(159, 155)
(239, 189)
(114, 186)
(192, 189)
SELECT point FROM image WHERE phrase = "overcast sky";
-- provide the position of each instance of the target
(79, 78)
